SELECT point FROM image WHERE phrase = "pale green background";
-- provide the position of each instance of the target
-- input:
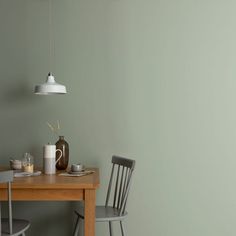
(153, 80)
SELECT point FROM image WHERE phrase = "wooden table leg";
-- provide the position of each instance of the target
(89, 212)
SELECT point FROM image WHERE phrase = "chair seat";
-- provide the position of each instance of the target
(103, 213)
(18, 227)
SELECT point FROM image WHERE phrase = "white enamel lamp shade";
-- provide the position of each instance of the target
(50, 87)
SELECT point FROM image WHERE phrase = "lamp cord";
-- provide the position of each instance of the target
(51, 37)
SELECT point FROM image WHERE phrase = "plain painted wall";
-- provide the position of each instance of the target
(152, 80)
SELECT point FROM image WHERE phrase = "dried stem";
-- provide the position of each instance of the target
(56, 129)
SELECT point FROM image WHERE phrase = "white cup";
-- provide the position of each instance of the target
(49, 158)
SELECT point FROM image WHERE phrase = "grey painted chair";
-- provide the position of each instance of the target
(118, 190)
(9, 226)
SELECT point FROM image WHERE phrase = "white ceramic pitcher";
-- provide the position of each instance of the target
(49, 158)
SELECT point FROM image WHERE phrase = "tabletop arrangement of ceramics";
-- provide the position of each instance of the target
(25, 167)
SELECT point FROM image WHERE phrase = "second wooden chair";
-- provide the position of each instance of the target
(118, 191)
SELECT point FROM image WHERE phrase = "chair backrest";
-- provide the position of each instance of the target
(121, 173)
(7, 177)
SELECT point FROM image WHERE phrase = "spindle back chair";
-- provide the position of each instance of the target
(117, 195)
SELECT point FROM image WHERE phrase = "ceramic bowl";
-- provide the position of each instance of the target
(77, 167)
(15, 164)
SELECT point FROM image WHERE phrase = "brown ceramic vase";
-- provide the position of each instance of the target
(64, 147)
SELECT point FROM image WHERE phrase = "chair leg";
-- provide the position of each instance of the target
(76, 229)
(122, 228)
(110, 228)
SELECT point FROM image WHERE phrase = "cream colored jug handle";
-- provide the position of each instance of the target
(58, 150)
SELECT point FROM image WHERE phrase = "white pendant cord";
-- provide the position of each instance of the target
(51, 37)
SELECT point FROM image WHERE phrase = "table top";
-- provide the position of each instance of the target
(56, 181)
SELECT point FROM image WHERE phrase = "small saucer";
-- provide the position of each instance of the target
(76, 172)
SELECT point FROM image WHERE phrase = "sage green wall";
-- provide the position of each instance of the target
(152, 80)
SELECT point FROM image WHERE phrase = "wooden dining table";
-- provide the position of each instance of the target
(58, 188)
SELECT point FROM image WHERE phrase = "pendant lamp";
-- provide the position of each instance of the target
(50, 87)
